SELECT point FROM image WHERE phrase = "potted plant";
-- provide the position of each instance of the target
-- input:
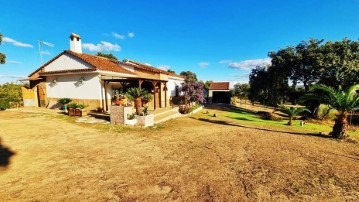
(63, 102)
(119, 98)
(131, 119)
(136, 94)
(145, 119)
(146, 99)
(72, 108)
(81, 109)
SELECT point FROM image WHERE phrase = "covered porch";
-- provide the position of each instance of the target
(157, 88)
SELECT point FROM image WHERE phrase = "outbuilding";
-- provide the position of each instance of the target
(219, 93)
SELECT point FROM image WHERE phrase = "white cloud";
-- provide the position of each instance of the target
(16, 43)
(103, 46)
(203, 64)
(118, 36)
(148, 64)
(225, 61)
(131, 34)
(48, 44)
(12, 76)
(164, 67)
(249, 64)
(13, 62)
(45, 52)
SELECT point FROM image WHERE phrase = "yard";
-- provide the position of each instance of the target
(230, 157)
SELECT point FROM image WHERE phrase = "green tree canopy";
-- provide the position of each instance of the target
(171, 71)
(189, 76)
(308, 63)
(2, 55)
(107, 55)
(241, 90)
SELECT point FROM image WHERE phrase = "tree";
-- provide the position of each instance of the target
(2, 55)
(241, 90)
(291, 112)
(136, 94)
(192, 92)
(107, 55)
(189, 76)
(340, 63)
(342, 100)
(171, 71)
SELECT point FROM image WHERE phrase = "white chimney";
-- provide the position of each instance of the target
(75, 43)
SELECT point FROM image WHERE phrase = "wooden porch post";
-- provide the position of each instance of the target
(106, 82)
(165, 89)
(154, 83)
(140, 83)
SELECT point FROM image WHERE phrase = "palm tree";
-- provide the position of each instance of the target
(291, 112)
(136, 94)
(342, 100)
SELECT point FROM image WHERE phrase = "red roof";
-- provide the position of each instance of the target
(219, 86)
(98, 63)
(150, 68)
(104, 64)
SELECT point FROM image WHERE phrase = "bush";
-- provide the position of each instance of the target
(10, 95)
(72, 105)
(64, 101)
(4, 104)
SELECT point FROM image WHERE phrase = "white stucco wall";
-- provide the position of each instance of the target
(210, 93)
(67, 61)
(171, 85)
(70, 87)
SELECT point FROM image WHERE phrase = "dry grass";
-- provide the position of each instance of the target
(188, 159)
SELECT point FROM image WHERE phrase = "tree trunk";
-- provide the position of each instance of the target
(290, 121)
(340, 126)
(138, 103)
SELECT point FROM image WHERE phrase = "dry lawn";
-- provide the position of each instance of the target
(186, 159)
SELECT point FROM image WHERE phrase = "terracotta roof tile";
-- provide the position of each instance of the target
(150, 68)
(68, 70)
(98, 63)
(101, 63)
(219, 86)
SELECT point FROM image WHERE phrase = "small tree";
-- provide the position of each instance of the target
(192, 92)
(136, 94)
(189, 76)
(107, 55)
(341, 100)
(291, 112)
(2, 55)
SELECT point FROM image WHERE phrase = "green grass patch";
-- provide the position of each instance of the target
(251, 119)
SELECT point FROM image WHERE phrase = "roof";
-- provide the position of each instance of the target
(149, 68)
(104, 64)
(98, 63)
(68, 71)
(219, 86)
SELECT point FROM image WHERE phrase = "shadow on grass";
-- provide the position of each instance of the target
(263, 129)
(5, 155)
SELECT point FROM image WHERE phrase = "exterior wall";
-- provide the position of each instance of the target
(69, 86)
(210, 93)
(171, 86)
(28, 96)
(66, 61)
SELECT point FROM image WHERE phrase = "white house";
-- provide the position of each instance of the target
(91, 80)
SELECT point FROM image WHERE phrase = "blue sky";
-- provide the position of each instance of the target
(218, 40)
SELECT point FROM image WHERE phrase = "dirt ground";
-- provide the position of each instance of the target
(187, 159)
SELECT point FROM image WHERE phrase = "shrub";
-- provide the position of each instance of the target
(81, 106)
(64, 101)
(72, 105)
(4, 104)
